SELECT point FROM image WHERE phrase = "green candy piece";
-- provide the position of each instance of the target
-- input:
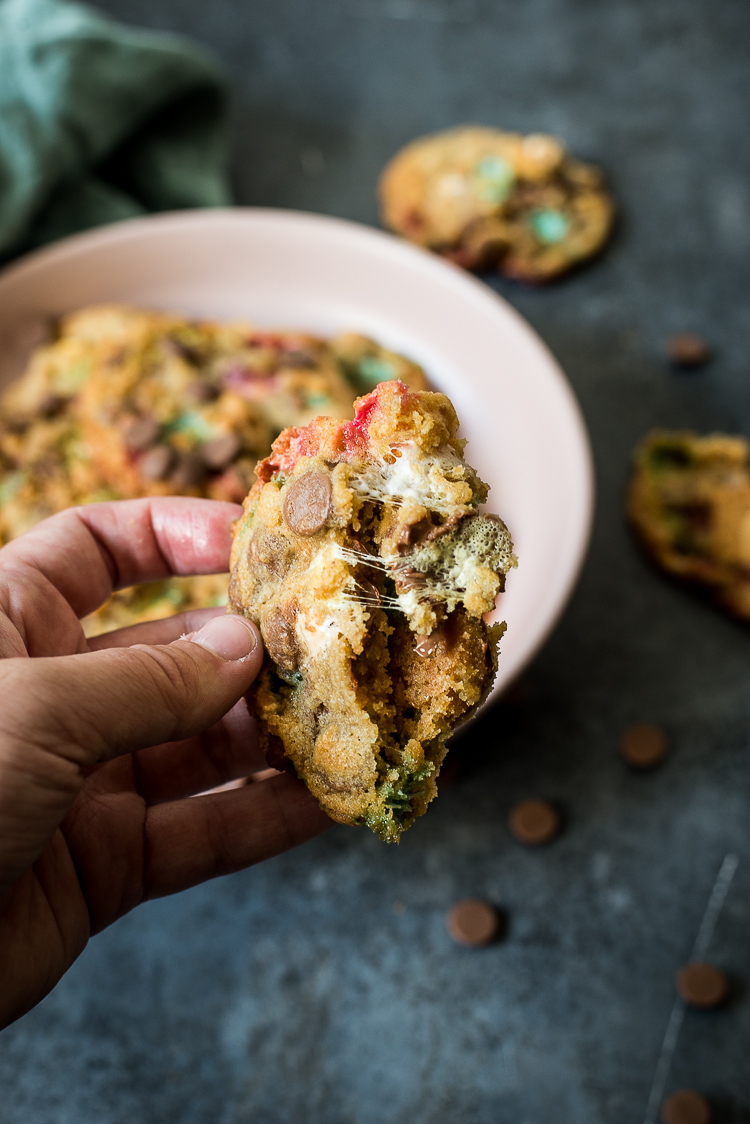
(318, 401)
(11, 486)
(495, 177)
(373, 371)
(550, 226)
(192, 423)
(70, 379)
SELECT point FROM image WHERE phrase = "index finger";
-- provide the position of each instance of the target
(88, 552)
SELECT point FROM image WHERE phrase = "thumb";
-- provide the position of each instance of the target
(95, 705)
(63, 713)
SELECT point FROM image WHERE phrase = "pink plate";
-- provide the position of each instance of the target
(525, 432)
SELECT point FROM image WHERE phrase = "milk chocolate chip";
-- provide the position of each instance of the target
(220, 451)
(534, 822)
(473, 923)
(51, 404)
(702, 985)
(686, 1106)
(686, 349)
(407, 579)
(190, 471)
(156, 463)
(308, 503)
(280, 638)
(141, 433)
(644, 745)
(427, 645)
(202, 391)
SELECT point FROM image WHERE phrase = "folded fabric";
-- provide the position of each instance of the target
(100, 122)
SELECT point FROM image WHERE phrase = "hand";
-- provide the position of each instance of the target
(102, 741)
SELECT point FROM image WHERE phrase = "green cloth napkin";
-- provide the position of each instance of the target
(100, 122)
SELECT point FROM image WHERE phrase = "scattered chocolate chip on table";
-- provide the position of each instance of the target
(686, 1107)
(702, 985)
(643, 745)
(473, 923)
(534, 822)
(686, 349)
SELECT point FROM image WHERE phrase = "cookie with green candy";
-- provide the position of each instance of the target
(689, 505)
(369, 570)
(490, 199)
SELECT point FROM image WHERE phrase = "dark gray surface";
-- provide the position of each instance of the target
(322, 987)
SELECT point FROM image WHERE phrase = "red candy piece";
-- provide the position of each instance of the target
(350, 440)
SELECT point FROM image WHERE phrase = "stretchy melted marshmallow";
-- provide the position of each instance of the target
(365, 562)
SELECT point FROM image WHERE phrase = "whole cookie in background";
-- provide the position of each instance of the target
(689, 504)
(485, 198)
(364, 561)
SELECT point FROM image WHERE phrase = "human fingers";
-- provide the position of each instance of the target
(163, 631)
(87, 552)
(225, 752)
(194, 840)
(63, 714)
(187, 842)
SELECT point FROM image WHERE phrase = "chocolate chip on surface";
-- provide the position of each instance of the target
(140, 434)
(643, 745)
(686, 1106)
(50, 405)
(296, 358)
(202, 391)
(686, 349)
(702, 985)
(407, 579)
(189, 472)
(220, 451)
(280, 638)
(308, 503)
(156, 463)
(534, 822)
(370, 593)
(427, 645)
(473, 923)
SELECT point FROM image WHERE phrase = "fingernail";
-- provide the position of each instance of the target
(230, 637)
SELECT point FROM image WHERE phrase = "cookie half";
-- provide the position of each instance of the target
(365, 562)
(486, 198)
(689, 504)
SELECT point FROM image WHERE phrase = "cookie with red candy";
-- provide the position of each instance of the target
(364, 560)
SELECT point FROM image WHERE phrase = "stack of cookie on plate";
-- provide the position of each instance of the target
(125, 402)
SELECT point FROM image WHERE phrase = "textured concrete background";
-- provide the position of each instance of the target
(322, 987)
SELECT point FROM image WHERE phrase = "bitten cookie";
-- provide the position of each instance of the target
(364, 561)
(689, 504)
(486, 198)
